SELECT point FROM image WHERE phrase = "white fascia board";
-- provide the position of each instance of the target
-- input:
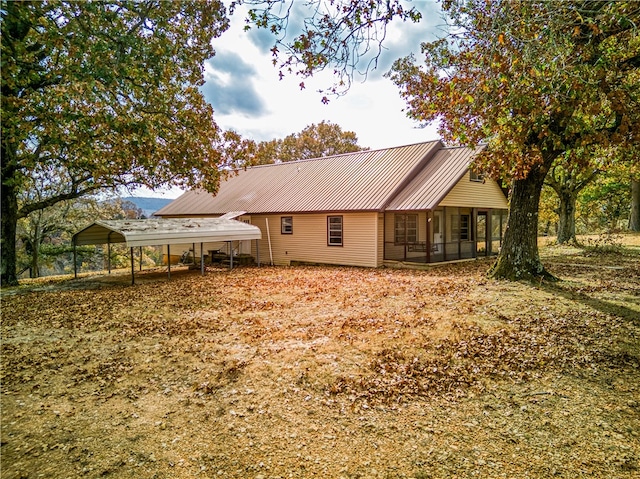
(178, 238)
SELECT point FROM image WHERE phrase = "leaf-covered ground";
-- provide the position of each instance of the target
(327, 372)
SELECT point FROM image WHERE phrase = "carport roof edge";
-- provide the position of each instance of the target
(147, 232)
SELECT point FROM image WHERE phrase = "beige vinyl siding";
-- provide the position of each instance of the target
(475, 194)
(308, 242)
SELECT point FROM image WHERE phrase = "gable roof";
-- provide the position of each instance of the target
(359, 181)
(428, 188)
(373, 180)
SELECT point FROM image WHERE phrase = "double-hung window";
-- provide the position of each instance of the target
(286, 225)
(405, 229)
(334, 230)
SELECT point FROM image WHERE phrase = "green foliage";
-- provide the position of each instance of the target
(314, 141)
(97, 95)
(44, 236)
(105, 93)
(542, 83)
(533, 79)
(603, 206)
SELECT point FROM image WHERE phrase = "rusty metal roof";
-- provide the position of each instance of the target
(429, 187)
(371, 180)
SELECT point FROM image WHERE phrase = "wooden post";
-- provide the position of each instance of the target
(140, 258)
(429, 234)
(109, 255)
(133, 281)
(444, 234)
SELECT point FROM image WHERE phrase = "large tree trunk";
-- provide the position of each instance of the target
(9, 220)
(567, 218)
(519, 257)
(634, 219)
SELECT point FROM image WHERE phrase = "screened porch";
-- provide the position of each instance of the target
(443, 234)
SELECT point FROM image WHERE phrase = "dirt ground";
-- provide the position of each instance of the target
(327, 372)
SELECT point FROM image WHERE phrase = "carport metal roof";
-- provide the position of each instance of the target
(149, 232)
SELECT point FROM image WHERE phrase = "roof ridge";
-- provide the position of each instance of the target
(319, 158)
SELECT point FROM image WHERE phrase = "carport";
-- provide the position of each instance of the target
(154, 232)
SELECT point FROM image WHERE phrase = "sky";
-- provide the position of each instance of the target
(247, 95)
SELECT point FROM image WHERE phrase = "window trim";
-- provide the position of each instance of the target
(476, 176)
(329, 230)
(406, 238)
(283, 225)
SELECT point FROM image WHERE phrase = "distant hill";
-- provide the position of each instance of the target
(148, 205)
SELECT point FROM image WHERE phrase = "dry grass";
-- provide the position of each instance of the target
(327, 372)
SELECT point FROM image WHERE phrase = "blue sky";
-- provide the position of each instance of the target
(247, 95)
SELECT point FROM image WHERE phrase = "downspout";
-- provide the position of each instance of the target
(269, 239)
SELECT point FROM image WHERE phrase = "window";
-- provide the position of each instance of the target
(334, 230)
(406, 229)
(475, 175)
(286, 225)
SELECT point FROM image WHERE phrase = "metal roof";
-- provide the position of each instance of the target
(360, 181)
(429, 187)
(166, 231)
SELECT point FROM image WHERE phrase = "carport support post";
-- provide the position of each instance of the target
(109, 251)
(133, 281)
(140, 258)
(201, 258)
(169, 261)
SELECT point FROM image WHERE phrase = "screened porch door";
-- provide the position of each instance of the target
(482, 239)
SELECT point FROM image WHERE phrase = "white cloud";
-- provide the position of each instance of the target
(254, 102)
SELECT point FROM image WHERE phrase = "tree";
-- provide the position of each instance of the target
(634, 216)
(44, 236)
(314, 141)
(567, 184)
(541, 83)
(98, 95)
(341, 34)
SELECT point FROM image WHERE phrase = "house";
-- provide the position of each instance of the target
(416, 203)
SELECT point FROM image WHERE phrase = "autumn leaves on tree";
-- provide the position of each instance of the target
(103, 94)
(544, 84)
